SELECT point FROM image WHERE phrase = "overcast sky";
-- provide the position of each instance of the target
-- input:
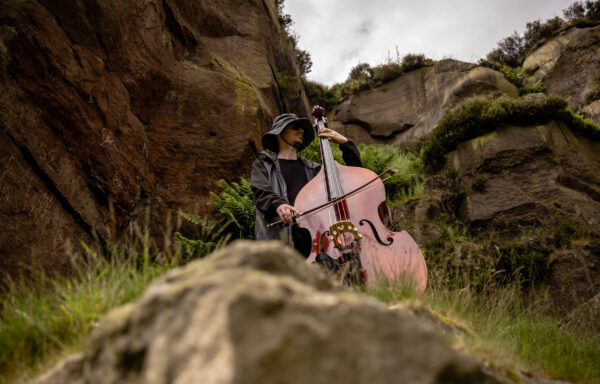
(338, 34)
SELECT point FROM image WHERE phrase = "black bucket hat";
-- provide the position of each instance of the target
(269, 139)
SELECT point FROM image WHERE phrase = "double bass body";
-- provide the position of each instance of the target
(384, 255)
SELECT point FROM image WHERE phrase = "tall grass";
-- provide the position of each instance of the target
(501, 329)
(38, 323)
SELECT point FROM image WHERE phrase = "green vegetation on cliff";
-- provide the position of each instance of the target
(364, 77)
(515, 76)
(512, 50)
(480, 116)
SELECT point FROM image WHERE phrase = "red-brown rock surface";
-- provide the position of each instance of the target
(138, 103)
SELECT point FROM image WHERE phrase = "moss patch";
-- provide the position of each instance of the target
(481, 116)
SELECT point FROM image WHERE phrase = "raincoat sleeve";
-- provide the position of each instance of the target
(265, 199)
(350, 154)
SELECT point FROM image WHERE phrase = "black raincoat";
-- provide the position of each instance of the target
(270, 190)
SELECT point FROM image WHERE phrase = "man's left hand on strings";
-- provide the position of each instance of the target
(333, 136)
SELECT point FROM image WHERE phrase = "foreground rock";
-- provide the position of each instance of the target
(135, 103)
(410, 107)
(256, 313)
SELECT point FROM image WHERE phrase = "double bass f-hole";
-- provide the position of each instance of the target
(389, 239)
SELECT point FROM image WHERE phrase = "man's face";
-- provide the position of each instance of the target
(293, 134)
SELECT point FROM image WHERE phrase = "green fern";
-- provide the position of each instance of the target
(211, 236)
(236, 203)
(407, 182)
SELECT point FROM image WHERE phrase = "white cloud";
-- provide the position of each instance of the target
(338, 34)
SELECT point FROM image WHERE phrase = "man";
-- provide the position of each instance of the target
(277, 178)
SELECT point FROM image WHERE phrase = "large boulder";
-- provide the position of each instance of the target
(410, 106)
(257, 313)
(110, 108)
(568, 66)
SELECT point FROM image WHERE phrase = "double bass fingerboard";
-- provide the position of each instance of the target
(334, 185)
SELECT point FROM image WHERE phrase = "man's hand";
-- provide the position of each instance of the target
(333, 136)
(285, 212)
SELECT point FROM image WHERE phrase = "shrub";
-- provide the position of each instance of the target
(413, 61)
(481, 116)
(302, 57)
(407, 182)
(536, 31)
(537, 87)
(514, 75)
(590, 10)
(319, 94)
(304, 62)
(360, 71)
(509, 51)
(387, 72)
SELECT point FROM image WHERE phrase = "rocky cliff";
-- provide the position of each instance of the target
(110, 108)
(525, 188)
(569, 65)
(410, 106)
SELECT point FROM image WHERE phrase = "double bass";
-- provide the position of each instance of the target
(342, 208)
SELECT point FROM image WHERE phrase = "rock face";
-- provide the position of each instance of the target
(520, 179)
(131, 103)
(530, 175)
(569, 66)
(411, 106)
(257, 313)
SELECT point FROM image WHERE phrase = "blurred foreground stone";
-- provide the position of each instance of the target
(257, 313)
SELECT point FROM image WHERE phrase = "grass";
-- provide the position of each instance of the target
(495, 322)
(500, 329)
(37, 325)
(481, 116)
